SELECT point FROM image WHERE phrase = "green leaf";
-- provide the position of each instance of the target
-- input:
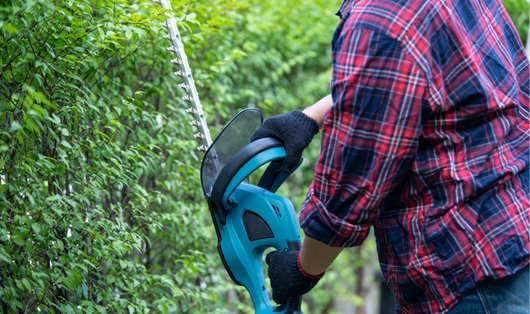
(123, 264)
(53, 198)
(71, 202)
(33, 125)
(4, 256)
(140, 32)
(74, 76)
(18, 239)
(55, 119)
(66, 144)
(101, 309)
(68, 281)
(135, 17)
(99, 297)
(15, 126)
(10, 28)
(36, 227)
(177, 291)
(27, 284)
(42, 98)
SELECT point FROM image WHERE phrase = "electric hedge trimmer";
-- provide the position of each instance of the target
(248, 218)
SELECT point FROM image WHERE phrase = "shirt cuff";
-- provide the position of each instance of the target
(322, 225)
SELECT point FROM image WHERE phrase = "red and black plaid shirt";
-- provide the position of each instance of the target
(427, 140)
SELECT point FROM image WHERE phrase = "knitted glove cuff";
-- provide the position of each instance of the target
(305, 121)
(312, 277)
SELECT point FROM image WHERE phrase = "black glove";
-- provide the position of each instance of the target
(294, 129)
(288, 279)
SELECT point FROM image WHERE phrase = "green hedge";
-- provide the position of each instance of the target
(101, 208)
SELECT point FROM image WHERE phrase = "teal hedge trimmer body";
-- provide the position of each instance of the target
(249, 218)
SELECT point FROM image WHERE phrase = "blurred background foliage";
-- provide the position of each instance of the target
(101, 209)
(519, 11)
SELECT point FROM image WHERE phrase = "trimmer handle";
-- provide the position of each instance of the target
(244, 163)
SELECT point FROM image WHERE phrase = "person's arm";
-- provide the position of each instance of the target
(315, 256)
(317, 111)
(369, 141)
(369, 144)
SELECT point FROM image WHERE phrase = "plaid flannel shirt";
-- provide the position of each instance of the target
(427, 140)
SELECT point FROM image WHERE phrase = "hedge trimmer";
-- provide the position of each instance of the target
(248, 218)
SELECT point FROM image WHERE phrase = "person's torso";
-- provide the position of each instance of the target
(461, 215)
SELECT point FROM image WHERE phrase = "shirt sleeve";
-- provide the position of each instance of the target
(369, 138)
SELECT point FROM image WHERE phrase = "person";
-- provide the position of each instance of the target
(425, 137)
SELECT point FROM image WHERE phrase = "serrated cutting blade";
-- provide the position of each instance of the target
(184, 71)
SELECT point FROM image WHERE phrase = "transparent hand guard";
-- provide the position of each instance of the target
(235, 135)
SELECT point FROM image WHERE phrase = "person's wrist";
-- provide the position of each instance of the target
(313, 115)
(306, 274)
(308, 112)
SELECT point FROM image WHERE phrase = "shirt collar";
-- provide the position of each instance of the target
(345, 8)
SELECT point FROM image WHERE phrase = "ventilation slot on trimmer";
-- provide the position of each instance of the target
(277, 211)
(256, 227)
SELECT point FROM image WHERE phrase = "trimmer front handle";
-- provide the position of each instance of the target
(244, 163)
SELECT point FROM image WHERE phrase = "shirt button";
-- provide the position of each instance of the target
(327, 177)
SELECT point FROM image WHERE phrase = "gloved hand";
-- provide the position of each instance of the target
(288, 279)
(294, 129)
